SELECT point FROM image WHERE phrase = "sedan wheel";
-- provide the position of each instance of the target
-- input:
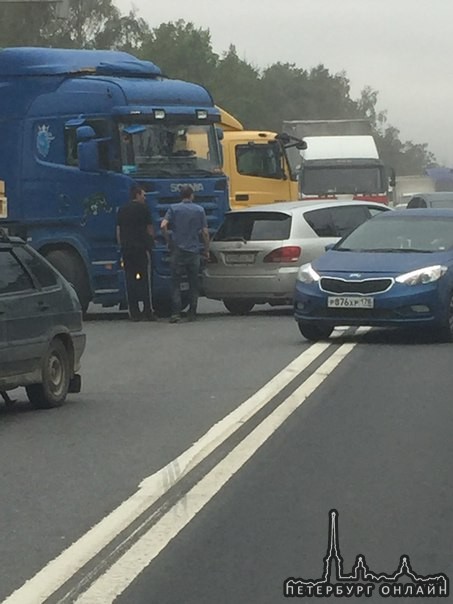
(55, 378)
(314, 332)
(238, 307)
(445, 331)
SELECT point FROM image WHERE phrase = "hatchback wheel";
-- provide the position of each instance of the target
(314, 332)
(55, 378)
(238, 307)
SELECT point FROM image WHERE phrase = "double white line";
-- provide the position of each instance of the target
(119, 576)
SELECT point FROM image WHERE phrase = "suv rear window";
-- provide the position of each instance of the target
(254, 226)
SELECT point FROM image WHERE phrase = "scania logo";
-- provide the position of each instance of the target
(196, 186)
(355, 275)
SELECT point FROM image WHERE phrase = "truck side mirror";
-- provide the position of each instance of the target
(85, 133)
(88, 152)
(283, 138)
(392, 178)
(219, 133)
(222, 157)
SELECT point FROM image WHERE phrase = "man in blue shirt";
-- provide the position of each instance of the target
(187, 221)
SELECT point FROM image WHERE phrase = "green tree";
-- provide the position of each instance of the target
(22, 24)
(96, 24)
(404, 157)
(237, 88)
(90, 24)
(182, 51)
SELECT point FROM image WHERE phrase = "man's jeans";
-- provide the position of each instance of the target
(185, 265)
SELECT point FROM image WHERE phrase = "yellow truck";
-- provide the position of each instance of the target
(257, 164)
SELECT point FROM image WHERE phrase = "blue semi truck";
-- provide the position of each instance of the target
(77, 129)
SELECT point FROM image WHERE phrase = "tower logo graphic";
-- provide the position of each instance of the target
(362, 582)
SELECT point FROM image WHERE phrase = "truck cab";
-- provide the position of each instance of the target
(77, 129)
(341, 160)
(256, 164)
(343, 166)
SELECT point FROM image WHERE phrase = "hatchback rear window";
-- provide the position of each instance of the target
(13, 278)
(254, 226)
(43, 273)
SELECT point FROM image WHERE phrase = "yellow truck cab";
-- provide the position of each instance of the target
(256, 164)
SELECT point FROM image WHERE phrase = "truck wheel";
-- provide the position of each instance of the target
(55, 378)
(238, 307)
(72, 269)
(314, 332)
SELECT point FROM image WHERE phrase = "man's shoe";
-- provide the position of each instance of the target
(191, 317)
(175, 319)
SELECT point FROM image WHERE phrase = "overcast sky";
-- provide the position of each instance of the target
(401, 48)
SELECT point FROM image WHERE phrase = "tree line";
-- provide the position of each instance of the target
(259, 98)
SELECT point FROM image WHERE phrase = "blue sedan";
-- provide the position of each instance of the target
(395, 270)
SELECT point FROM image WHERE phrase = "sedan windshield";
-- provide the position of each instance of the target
(400, 234)
(169, 150)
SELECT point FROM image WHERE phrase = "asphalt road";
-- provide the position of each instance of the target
(367, 432)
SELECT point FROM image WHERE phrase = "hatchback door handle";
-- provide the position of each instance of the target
(43, 306)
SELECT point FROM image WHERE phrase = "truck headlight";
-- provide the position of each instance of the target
(307, 274)
(423, 275)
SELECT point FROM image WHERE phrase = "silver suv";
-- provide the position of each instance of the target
(257, 252)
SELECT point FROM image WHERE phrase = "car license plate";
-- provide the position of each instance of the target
(350, 302)
(184, 286)
(239, 258)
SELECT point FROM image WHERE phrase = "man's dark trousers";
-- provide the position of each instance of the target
(136, 263)
(185, 263)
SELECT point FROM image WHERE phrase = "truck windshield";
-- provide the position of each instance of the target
(342, 180)
(263, 160)
(167, 150)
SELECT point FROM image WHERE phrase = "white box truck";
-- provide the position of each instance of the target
(341, 161)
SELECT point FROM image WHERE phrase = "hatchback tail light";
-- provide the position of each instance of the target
(288, 253)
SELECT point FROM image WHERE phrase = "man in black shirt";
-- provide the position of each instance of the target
(135, 236)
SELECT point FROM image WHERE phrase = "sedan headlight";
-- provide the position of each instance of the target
(307, 274)
(422, 275)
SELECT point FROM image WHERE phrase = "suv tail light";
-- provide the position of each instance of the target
(288, 253)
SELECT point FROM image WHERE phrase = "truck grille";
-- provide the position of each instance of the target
(367, 286)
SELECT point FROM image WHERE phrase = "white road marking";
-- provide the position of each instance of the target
(121, 574)
(59, 570)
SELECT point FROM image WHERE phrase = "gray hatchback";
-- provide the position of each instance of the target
(257, 252)
(41, 336)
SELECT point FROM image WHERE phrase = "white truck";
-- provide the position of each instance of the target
(341, 160)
